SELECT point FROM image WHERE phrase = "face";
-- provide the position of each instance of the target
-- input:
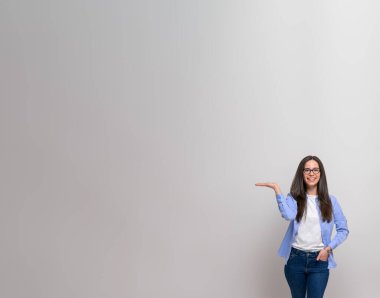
(311, 179)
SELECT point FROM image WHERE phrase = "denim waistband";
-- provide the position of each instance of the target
(304, 253)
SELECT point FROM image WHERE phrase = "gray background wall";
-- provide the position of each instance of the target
(132, 133)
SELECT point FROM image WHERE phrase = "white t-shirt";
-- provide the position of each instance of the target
(309, 236)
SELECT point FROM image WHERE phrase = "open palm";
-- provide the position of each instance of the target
(272, 185)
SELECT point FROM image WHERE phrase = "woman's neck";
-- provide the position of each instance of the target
(312, 191)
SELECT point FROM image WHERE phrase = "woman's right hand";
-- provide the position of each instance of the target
(272, 185)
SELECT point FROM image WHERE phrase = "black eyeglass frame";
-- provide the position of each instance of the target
(314, 170)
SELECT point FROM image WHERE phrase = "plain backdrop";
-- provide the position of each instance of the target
(132, 133)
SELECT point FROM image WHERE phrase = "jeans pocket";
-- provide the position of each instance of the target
(291, 256)
(323, 264)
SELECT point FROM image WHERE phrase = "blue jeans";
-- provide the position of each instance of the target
(305, 274)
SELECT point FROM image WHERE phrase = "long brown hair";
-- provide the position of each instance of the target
(298, 190)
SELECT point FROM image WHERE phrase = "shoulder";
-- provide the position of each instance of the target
(333, 199)
(337, 209)
(334, 202)
(291, 199)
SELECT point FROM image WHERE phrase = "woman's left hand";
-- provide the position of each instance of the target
(323, 255)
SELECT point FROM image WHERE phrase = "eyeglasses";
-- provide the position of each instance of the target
(308, 171)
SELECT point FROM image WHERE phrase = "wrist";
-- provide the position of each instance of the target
(328, 249)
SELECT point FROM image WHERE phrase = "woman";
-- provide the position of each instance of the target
(307, 246)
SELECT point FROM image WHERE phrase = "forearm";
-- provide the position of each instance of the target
(340, 236)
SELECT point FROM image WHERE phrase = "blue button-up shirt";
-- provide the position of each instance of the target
(288, 209)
